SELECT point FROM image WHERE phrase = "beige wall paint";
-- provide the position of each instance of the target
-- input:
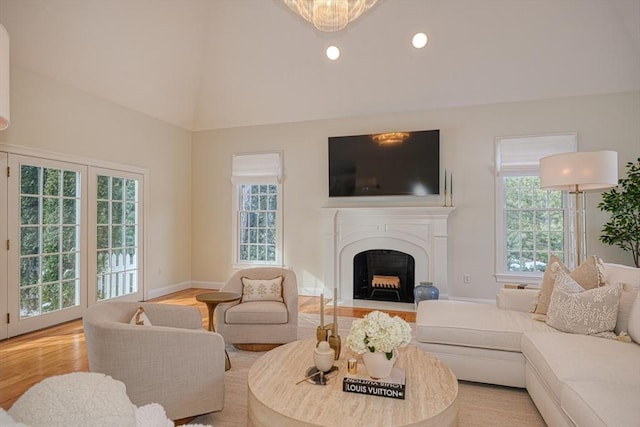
(190, 238)
(467, 148)
(49, 116)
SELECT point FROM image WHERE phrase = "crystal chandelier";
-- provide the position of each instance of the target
(330, 15)
(390, 138)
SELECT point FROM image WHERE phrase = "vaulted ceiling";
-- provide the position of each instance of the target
(207, 64)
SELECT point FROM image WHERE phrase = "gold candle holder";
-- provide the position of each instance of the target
(352, 367)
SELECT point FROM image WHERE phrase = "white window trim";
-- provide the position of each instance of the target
(524, 169)
(269, 172)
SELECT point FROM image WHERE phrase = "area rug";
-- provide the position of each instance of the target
(480, 405)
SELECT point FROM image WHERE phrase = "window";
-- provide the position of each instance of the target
(257, 224)
(531, 223)
(257, 208)
(534, 224)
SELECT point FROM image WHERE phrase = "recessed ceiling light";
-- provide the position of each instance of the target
(333, 53)
(419, 40)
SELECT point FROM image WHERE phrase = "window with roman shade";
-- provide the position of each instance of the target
(257, 205)
(531, 223)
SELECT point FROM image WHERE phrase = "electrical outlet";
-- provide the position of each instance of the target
(466, 278)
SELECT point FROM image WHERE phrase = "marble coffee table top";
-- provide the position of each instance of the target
(275, 399)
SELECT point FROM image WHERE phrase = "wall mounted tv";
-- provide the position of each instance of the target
(389, 164)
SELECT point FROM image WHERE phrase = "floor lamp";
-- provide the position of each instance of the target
(578, 172)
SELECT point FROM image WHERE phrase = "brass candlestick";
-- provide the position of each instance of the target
(335, 343)
(334, 339)
(321, 332)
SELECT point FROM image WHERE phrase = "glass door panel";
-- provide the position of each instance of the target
(118, 235)
(46, 259)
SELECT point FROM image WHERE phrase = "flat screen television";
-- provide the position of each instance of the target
(390, 164)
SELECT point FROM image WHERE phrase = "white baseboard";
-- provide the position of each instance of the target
(207, 285)
(166, 290)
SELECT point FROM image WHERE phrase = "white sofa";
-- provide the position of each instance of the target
(574, 380)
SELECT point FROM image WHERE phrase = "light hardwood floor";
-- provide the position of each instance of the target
(27, 359)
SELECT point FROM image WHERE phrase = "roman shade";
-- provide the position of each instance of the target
(523, 153)
(256, 168)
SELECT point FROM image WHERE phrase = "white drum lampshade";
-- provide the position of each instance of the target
(4, 78)
(579, 171)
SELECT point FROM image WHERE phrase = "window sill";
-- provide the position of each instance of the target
(519, 278)
(244, 265)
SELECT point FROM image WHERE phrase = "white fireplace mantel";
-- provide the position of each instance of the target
(418, 231)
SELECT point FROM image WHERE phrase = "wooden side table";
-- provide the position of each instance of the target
(212, 299)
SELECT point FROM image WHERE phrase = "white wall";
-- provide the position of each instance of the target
(49, 116)
(467, 149)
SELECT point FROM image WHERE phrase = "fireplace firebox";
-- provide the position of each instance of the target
(383, 275)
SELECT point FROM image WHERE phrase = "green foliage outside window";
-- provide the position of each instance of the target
(534, 224)
(49, 222)
(116, 236)
(258, 207)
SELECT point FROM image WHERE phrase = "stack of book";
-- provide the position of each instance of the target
(393, 386)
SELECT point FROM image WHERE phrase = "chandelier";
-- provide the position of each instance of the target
(330, 15)
(390, 138)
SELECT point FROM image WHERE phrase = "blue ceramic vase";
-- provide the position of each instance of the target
(425, 291)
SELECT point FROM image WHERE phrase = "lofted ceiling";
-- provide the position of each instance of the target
(208, 64)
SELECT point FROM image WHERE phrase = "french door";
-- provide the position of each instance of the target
(74, 237)
(115, 240)
(3, 250)
(47, 248)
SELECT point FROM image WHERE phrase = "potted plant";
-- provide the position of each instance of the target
(623, 202)
(377, 337)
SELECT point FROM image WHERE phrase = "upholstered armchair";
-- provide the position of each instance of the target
(173, 362)
(254, 324)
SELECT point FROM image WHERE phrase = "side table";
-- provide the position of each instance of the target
(212, 299)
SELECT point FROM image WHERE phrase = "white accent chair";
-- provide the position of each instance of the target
(259, 325)
(174, 362)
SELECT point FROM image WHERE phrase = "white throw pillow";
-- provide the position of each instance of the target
(630, 278)
(574, 310)
(262, 289)
(140, 318)
(634, 321)
(627, 299)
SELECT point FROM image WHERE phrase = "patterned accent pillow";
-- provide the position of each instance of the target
(262, 289)
(574, 310)
(140, 318)
(589, 274)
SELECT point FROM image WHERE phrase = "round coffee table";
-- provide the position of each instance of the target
(212, 299)
(275, 399)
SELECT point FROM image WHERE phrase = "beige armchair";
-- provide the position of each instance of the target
(174, 362)
(252, 325)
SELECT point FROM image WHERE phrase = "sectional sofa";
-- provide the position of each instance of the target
(573, 379)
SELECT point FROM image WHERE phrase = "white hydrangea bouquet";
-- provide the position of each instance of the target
(378, 332)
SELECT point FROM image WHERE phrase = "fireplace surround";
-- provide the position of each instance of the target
(420, 232)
